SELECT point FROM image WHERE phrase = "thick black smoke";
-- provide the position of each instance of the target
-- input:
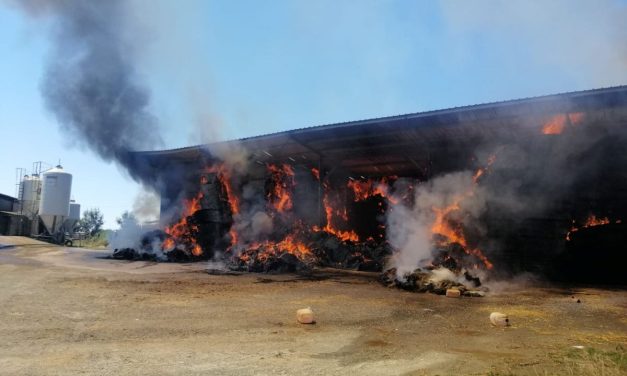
(90, 82)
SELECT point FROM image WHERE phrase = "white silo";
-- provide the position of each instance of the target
(75, 210)
(30, 193)
(74, 216)
(54, 206)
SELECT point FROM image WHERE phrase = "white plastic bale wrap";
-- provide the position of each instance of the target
(499, 319)
(305, 316)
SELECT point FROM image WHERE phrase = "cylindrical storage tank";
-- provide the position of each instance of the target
(54, 205)
(74, 217)
(30, 193)
(75, 211)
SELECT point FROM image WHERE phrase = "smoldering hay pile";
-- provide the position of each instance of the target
(260, 227)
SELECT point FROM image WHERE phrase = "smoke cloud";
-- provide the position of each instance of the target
(584, 40)
(409, 229)
(90, 82)
(131, 235)
(146, 205)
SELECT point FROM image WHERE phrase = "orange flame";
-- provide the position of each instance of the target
(329, 227)
(182, 233)
(289, 244)
(483, 170)
(442, 222)
(592, 221)
(180, 230)
(280, 199)
(442, 226)
(281, 195)
(557, 123)
(316, 173)
(196, 250)
(224, 177)
(340, 211)
(363, 189)
(293, 246)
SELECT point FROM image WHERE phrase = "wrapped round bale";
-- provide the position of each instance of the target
(499, 319)
(305, 316)
(453, 293)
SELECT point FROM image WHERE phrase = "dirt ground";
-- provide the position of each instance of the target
(68, 311)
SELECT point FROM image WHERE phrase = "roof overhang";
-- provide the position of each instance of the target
(403, 145)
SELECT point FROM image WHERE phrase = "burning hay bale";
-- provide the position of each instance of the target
(349, 232)
(150, 248)
(311, 249)
(436, 281)
(369, 256)
(314, 249)
(220, 219)
(267, 259)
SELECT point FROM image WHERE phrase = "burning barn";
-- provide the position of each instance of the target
(537, 185)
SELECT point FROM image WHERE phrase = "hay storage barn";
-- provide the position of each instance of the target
(428, 144)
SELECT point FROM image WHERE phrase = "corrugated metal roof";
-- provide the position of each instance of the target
(410, 140)
(622, 89)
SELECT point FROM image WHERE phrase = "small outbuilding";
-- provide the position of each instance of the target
(11, 221)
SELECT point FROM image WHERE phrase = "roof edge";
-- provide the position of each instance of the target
(450, 110)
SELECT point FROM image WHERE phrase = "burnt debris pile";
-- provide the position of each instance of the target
(287, 256)
(436, 281)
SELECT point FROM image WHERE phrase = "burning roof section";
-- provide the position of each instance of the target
(405, 145)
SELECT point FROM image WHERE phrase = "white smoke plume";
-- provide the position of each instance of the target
(127, 236)
(253, 222)
(410, 229)
(146, 205)
(130, 234)
(135, 224)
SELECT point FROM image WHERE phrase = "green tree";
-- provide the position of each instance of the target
(92, 221)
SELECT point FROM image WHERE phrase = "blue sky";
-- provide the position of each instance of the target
(231, 69)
